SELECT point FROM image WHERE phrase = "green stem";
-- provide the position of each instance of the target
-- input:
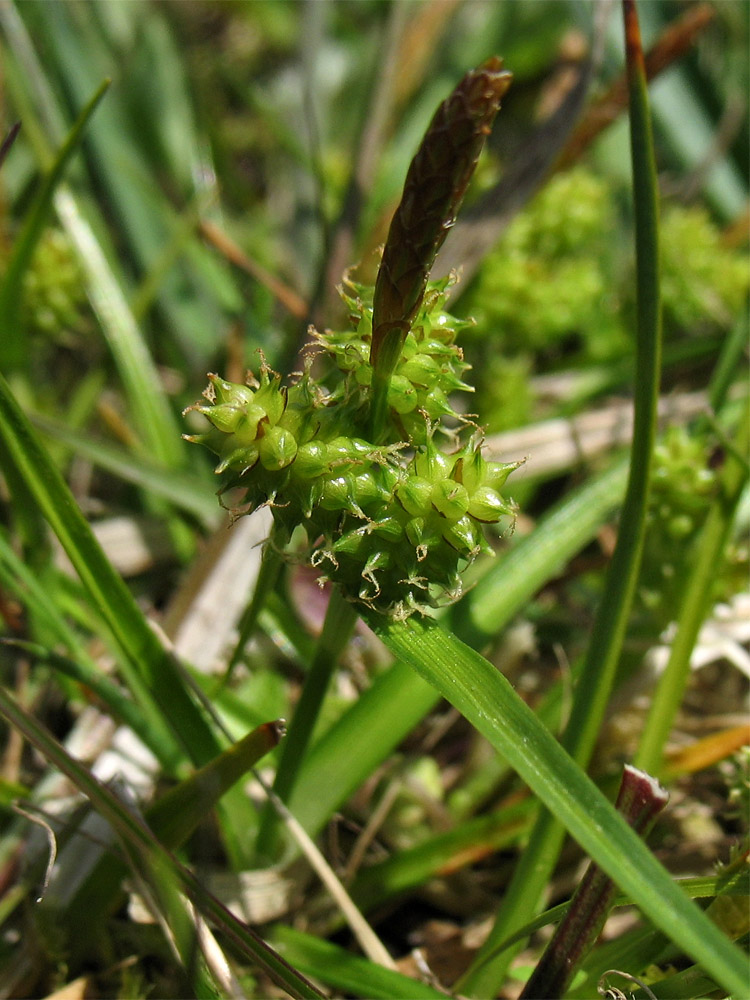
(340, 620)
(696, 604)
(531, 875)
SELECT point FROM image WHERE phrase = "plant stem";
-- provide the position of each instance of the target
(532, 873)
(640, 800)
(340, 620)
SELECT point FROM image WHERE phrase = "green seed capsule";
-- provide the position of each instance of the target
(388, 528)
(415, 530)
(421, 370)
(271, 397)
(345, 450)
(231, 392)
(335, 495)
(311, 460)
(250, 425)
(277, 448)
(497, 472)
(488, 506)
(433, 464)
(415, 495)
(402, 396)
(224, 416)
(353, 543)
(241, 459)
(365, 491)
(450, 499)
(436, 404)
(463, 536)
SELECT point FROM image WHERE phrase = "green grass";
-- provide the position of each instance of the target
(438, 765)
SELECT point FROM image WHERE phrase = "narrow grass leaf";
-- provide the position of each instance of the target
(595, 685)
(184, 490)
(398, 699)
(345, 972)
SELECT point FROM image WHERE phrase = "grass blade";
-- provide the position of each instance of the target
(489, 702)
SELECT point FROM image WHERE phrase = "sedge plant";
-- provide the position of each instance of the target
(376, 475)
(386, 482)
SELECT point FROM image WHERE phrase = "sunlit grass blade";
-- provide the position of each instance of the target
(702, 887)
(140, 840)
(184, 490)
(487, 700)
(110, 694)
(340, 620)
(155, 420)
(347, 973)
(150, 672)
(176, 814)
(442, 854)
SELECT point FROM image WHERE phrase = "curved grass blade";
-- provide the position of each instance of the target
(184, 490)
(398, 699)
(141, 841)
(345, 972)
(487, 700)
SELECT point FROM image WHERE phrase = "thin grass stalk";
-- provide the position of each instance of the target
(341, 617)
(487, 974)
(122, 708)
(271, 564)
(696, 604)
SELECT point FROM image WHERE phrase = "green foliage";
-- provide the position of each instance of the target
(289, 127)
(704, 281)
(53, 304)
(547, 279)
(684, 486)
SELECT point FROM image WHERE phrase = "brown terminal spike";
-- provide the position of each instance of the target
(434, 188)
